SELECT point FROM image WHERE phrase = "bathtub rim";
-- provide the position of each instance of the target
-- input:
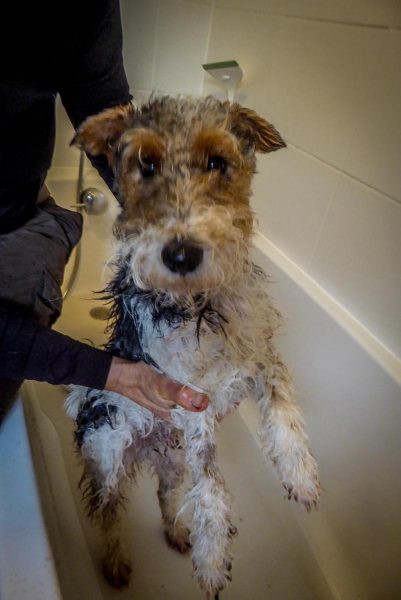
(44, 442)
(38, 574)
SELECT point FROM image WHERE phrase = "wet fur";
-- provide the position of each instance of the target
(212, 328)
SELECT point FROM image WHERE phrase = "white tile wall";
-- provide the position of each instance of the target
(258, 5)
(327, 74)
(358, 258)
(321, 75)
(365, 12)
(139, 18)
(292, 193)
(165, 43)
(182, 36)
(374, 155)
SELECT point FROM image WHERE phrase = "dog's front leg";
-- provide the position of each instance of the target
(284, 440)
(212, 530)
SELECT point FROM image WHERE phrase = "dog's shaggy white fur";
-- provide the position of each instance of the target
(210, 326)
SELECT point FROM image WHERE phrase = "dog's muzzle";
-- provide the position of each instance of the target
(182, 256)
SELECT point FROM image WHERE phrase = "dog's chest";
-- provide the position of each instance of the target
(201, 361)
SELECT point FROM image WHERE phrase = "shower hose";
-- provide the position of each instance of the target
(79, 208)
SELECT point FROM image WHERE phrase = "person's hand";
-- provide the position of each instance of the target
(152, 390)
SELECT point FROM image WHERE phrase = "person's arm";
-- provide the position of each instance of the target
(94, 77)
(31, 351)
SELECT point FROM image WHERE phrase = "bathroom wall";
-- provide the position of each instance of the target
(327, 74)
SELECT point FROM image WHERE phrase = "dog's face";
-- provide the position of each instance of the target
(183, 171)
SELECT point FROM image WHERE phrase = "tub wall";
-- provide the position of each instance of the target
(353, 414)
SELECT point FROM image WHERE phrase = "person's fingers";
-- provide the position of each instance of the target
(176, 393)
(157, 409)
(158, 389)
(191, 399)
(152, 389)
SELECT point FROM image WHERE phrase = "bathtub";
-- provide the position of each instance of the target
(350, 390)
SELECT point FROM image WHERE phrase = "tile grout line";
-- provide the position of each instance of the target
(207, 45)
(312, 256)
(313, 19)
(345, 173)
(313, 251)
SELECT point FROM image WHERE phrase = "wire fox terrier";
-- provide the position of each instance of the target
(187, 299)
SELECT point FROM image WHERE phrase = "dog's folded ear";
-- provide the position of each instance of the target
(255, 133)
(99, 134)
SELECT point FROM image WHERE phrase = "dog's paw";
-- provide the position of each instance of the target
(304, 485)
(213, 579)
(178, 538)
(309, 495)
(117, 573)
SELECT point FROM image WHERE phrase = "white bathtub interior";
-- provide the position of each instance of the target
(349, 549)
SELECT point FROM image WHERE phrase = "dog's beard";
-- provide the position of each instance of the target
(221, 267)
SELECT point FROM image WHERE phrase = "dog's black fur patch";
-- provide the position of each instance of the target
(126, 330)
(92, 416)
(128, 301)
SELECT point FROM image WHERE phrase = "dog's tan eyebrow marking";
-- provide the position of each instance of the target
(146, 143)
(139, 146)
(209, 142)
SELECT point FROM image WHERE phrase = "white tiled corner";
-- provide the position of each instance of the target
(291, 197)
(139, 18)
(248, 38)
(321, 75)
(375, 152)
(358, 259)
(181, 45)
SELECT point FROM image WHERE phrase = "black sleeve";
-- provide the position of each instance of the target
(31, 351)
(94, 78)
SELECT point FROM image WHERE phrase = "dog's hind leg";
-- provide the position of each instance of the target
(103, 447)
(284, 440)
(170, 468)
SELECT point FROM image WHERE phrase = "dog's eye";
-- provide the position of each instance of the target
(216, 163)
(147, 166)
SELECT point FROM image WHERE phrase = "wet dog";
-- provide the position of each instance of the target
(187, 299)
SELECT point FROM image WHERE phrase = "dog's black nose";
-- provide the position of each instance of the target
(182, 256)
